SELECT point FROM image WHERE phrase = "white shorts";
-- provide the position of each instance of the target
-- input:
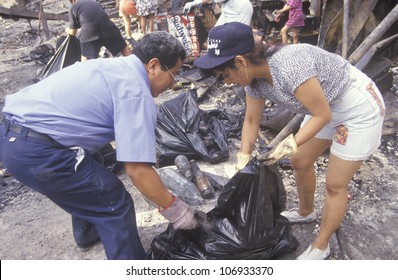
(357, 119)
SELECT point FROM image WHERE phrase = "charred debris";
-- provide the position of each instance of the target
(364, 32)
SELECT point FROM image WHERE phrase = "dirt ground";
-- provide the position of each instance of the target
(32, 227)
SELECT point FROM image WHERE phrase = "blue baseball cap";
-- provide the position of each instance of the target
(224, 43)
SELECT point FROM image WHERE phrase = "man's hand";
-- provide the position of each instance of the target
(243, 159)
(285, 148)
(70, 31)
(180, 215)
(188, 6)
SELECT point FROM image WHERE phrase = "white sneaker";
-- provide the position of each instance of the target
(314, 254)
(294, 217)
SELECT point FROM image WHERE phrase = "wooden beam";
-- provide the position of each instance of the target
(16, 12)
(359, 20)
(292, 126)
(346, 19)
(366, 58)
(330, 20)
(374, 36)
(43, 21)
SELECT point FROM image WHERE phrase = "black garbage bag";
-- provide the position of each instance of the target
(67, 54)
(178, 133)
(245, 224)
(276, 117)
(106, 155)
(232, 123)
(42, 54)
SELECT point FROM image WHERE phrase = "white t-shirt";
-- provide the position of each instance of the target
(235, 10)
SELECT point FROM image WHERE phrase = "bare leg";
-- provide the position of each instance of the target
(151, 18)
(138, 21)
(303, 165)
(143, 24)
(284, 34)
(295, 36)
(83, 58)
(126, 19)
(127, 25)
(338, 176)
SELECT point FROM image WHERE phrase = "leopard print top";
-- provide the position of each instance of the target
(292, 65)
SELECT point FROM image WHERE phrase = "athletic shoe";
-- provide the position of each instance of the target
(314, 254)
(294, 217)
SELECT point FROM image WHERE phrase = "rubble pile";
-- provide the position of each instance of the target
(34, 228)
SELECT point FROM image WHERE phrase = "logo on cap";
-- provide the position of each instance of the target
(224, 43)
(213, 44)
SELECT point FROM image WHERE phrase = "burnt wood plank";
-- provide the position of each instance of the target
(17, 12)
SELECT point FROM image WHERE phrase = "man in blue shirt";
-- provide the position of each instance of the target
(51, 129)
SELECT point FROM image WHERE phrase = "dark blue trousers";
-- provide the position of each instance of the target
(100, 206)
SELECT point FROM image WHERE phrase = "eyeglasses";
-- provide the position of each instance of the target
(174, 78)
(182, 76)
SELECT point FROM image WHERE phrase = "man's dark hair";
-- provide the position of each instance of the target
(160, 45)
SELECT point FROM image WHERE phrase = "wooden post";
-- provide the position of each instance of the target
(374, 36)
(360, 16)
(292, 126)
(43, 21)
(346, 17)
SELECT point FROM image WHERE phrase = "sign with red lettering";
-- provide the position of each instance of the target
(183, 28)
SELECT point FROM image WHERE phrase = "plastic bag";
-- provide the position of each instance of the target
(245, 224)
(67, 54)
(42, 54)
(177, 131)
(232, 123)
(276, 117)
(106, 155)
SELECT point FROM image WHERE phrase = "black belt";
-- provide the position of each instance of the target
(30, 133)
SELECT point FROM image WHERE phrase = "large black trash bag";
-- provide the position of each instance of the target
(245, 224)
(177, 131)
(232, 123)
(67, 54)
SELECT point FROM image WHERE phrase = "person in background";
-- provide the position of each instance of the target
(147, 10)
(96, 30)
(231, 10)
(344, 113)
(125, 17)
(52, 129)
(295, 20)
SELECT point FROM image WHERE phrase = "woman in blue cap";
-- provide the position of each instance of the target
(344, 112)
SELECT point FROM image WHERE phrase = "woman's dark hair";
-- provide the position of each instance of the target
(160, 45)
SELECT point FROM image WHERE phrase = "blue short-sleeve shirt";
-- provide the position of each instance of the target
(92, 103)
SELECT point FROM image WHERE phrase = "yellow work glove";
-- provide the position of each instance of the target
(243, 159)
(285, 148)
